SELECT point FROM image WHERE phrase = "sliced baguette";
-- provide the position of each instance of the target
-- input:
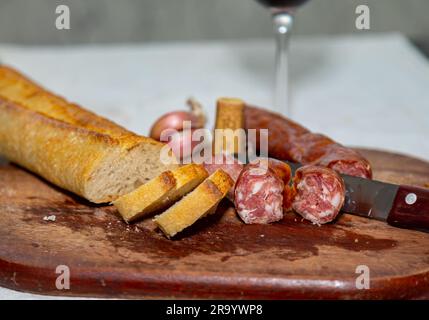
(160, 192)
(200, 202)
(71, 147)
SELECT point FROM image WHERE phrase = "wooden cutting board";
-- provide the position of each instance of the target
(220, 257)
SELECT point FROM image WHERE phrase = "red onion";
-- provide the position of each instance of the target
(174, 121)
(182, 144)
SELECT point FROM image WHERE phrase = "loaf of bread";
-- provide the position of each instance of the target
(160, 192)
(72, 147)
(201, 201)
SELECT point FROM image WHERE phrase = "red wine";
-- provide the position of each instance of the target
(282, 3)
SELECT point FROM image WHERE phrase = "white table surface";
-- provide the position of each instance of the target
(370, 91)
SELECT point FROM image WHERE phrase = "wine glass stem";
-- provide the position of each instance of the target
(283, 22)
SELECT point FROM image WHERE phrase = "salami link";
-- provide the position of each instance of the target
(319, 193)
(259, 195)
(227, 163)
(288, 140)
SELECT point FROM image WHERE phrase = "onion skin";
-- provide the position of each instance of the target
(174, 121)
(181, 143)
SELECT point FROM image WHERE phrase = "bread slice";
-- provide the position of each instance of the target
(229, 118)
(160, 192)
(187, 178)
(200, 202)
(72, 147)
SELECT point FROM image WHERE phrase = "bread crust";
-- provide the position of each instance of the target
(61, 141)
(229, 116)
(148, 197)
(202, 201)
(17, 88)
(160, 193)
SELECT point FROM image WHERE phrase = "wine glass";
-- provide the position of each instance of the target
(282, 14)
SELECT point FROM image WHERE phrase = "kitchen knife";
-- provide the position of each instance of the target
(399, 205)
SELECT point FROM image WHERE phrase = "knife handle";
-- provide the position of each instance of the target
(410, 209)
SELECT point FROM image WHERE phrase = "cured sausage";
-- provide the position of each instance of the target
(283, 171)
(288, 140)
(319, 193)
(280, 168)
(259, 194)
(317, 149)
(227, 163)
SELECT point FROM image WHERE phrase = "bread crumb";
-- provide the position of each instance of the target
(50, 218)
(100, 214)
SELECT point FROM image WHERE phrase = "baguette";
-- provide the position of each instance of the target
(160, 192)
(70, 146)
(229, 118)
(200, 202)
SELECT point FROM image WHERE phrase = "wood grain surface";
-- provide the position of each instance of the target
(220, 257)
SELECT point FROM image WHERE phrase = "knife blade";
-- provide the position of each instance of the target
(398, 205)
(369, 198)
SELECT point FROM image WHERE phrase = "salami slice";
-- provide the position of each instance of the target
(287, 140)
(227, 163)
(319, 193)
(283, 171)
(259, 195)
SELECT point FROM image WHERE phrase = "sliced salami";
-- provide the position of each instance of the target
(259, 195)
(280, 168)
(227, 163)
(319, 193)
(283, 171)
